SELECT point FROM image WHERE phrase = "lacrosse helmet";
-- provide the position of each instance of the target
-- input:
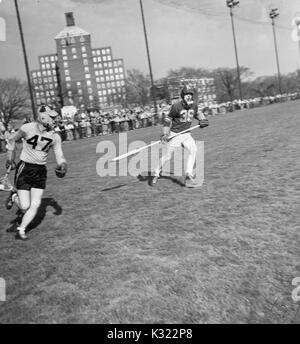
(187, 91)
(46, 117)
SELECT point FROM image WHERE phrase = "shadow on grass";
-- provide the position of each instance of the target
(147, 178)
(46, 202)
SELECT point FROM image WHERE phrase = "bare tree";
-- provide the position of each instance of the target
(14, 99)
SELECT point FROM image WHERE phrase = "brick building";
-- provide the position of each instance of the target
(204, 88)
(78, 74)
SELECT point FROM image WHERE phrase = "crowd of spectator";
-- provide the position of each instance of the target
(84, 124)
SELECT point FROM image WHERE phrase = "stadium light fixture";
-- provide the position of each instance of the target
(25, 59)
(274, 14)
(149, 60)
(231, 4)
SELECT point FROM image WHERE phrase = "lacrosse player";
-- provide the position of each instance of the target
(179, 119)
(38, 138)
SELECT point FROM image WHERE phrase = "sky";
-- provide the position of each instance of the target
(189, 33)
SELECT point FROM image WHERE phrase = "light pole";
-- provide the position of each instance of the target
(149, 60)
(25, 59)
(297, 22)
(231, 4)
(273, 14)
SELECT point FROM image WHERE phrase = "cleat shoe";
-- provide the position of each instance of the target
(154, 180)
(10, 200)
(190, 182)
(21, 235)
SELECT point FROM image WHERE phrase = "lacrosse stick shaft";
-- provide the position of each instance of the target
(137, 150)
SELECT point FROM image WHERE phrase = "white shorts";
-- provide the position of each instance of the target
(183, 139)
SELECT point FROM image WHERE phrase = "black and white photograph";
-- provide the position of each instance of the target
(149, 164)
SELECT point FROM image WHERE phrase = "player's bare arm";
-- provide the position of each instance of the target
(11, 149)
(61, 161)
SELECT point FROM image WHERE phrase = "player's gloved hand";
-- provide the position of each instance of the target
(164, 138)
(11, 164)
(203, 123)
(61, 170)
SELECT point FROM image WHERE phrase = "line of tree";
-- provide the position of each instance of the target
(15, 100)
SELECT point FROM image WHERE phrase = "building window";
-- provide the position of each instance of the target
(99, 59)
(68, 85)
(49, 73)
(64, 51)
(66, 65)
(108, 58)
(96, 73)
(88, 83)
(87, 76)
(85, 62)
(80, 91)
(98, 79)
(52, 58)
(78, 83)
(82, 39)
(83, 49)
(68, 78)
(74, 51)
(53, 65)
(104, 58)
(86, 69)
(84, 55)
(70, 93)
(46, 59)
(73, 40)
(98, 52)
(74, 56)
(63, 42)
(67, 72)
(90, 90)
(43, 66)
(65, 57)
(103, 51)
(91, 98)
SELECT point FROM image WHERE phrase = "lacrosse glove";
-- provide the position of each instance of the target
(61, 170)
(164, 138)
(11, 164)
(203, 123)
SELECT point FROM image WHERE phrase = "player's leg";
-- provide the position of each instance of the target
(190, 145)
(35, 202)
(162, 161)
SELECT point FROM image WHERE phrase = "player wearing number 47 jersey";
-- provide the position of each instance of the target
(180, 119)
(31, 174)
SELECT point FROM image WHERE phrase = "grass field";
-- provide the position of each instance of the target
(115, 250)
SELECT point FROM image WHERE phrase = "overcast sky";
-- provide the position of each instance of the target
(189, 33)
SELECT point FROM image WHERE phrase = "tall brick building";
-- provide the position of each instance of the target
(78, 74)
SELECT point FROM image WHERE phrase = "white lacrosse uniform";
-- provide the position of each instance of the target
(37, 143)
(31, 171)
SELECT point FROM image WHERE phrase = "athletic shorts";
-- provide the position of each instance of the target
(181, 140)
(30, 176)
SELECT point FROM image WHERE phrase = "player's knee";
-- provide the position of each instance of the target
(35, 204)
(24, 206)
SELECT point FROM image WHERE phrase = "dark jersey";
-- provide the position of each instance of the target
(182, 116)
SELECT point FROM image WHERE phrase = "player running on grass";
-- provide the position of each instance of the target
(179, 119)
(31, 174)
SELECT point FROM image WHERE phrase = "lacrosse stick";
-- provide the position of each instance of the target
(5, 184)
(137, 150)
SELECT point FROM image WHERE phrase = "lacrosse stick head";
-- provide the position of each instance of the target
(5, 184)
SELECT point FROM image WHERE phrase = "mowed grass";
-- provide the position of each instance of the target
(115, 250)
